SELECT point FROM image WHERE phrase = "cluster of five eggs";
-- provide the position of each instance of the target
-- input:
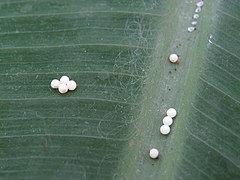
(64, 84)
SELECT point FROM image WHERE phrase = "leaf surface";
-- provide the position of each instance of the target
(117, 52)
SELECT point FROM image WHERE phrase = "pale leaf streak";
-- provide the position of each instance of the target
(223, 69)
(76, 72)
(198, 169)
(227, 14)
(25, 170)
(81, 13)
(59, 135)
(71, 29)
(210, 84)
(228, 34)
(220, 47)
(211, 147)
(75, 45)
(16, 2)
(48, 117)
(227, 129)
(46, 157)
(68, 98)
(215, 107)
(55, 62)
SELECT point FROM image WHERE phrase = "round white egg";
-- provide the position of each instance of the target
(200, 3)
(194, 23)
(173, 58)
(171, 112)
(164, 129)
(191, 29)
(55, 83)
(195, 16)
(198, 10)
(64, 80)
(154, 153)
(63, 88)
(71, 85)
(167, 121)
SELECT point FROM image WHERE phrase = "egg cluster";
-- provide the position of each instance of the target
(167, 121)
(196, 15)
(64, 84)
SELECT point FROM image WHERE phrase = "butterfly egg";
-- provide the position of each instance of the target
(171, 112)
(63, 88)
(191, 29)
(154, 153)
(200, 4)
(64, 80)
(71, 85)
(198, 10)
(167, 121)
(195, 16)
(194, 23)
(165, 129)
(55, 83)
(173, 58)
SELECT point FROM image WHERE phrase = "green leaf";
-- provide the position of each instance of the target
(117, 52)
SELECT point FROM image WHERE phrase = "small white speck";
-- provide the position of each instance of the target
(164, 129)
(55, 83)
(198, 10)
(63, 88)
(191, 29)
(195, 16)
(167, 121)
(171, 112)
(64, 80)
(210, 41)
(154, 153)
(173, 58)
(71, 85)
(200, 4)
(210, 36)
(194, 23)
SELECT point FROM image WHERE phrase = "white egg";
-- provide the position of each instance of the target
(165, 129)
(71, 85)
(200, 4)
(191, 29)
(154, 153)
(195, 16)
(173, 58)
(171, 112)
(198, 10)
(55, 83)
(64, 80)
(167, 121)
(63, 88)
(194, 23)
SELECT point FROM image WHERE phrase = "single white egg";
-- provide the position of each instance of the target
(198, 10)
(154, 153)
(167, 121)
(64, 80)
(194, 23)
(55, 83)
(171, 112)
(63, 88)
(191, 29)
(173, 58)
(195, 16)
(71, 85)
(165, 129)
(200, 4)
